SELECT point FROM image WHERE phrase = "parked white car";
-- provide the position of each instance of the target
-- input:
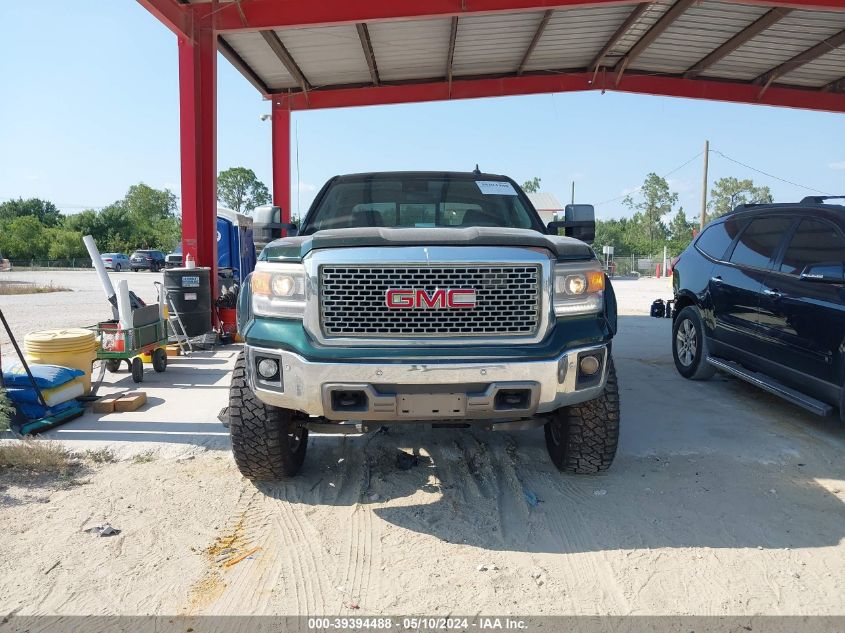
(115, 261)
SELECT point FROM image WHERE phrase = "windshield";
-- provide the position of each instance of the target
(414, 201)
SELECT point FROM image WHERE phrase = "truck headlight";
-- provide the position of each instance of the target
(278, 290)
(579, 289)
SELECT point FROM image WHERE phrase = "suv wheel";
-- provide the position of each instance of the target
(583, 438)
(267, 442)
(689, 345)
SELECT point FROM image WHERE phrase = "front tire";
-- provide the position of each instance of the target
(583, 438)
(689, 345)
(267, 442)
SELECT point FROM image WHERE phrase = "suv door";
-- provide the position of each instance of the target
(735, 285)
(803, 321)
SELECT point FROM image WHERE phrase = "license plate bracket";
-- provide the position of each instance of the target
(431, 405)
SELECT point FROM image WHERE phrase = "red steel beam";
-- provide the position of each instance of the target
(254, 15)
(281, 159)
(198, 146)
(735, 92)
(175, 16)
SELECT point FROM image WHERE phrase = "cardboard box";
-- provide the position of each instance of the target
(173, 350)
(130, 401)
(106, 403)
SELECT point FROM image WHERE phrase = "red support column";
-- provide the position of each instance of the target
(198, 139)
(281, 158)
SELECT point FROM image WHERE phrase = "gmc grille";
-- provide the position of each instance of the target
(353, 301)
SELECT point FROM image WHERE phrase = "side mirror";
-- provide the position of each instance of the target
(579, 221)
(267, 225)
(825, 272)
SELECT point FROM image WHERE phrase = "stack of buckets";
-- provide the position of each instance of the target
(75, 347)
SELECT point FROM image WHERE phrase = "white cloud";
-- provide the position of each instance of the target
(838, 165)
(307, 187)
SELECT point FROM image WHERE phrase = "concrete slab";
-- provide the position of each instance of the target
(179, 417)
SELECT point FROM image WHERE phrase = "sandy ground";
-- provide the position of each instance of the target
(722, 500)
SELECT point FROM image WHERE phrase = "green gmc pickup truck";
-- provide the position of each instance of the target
(435, 298)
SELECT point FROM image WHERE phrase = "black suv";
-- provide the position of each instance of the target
(147, 260)
(760, 294)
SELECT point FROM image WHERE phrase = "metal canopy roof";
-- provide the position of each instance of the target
(605, 43)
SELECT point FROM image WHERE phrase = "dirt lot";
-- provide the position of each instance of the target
(722, 500)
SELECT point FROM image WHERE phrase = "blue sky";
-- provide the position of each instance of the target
(90, 107)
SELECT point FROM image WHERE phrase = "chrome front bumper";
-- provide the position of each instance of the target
(469, 388)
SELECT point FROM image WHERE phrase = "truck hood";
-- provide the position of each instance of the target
(295, 248)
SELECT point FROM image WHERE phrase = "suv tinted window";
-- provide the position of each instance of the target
(759, 242)
(715, 240)
(813, 243)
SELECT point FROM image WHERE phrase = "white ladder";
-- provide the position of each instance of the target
(173, 320)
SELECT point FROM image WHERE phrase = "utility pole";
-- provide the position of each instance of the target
(573, 192)
(704, 184)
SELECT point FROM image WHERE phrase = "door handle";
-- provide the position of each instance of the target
(774, 294)
(717, 279)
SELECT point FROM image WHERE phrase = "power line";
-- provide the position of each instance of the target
(764, 173)
(666, 175)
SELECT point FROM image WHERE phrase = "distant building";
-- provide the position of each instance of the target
(547, 205)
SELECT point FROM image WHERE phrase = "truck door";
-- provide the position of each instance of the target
(803, 321)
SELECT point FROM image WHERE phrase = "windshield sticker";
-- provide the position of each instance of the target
(496, 187)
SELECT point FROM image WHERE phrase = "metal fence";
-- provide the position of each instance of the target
(634, 265)
(39, 264)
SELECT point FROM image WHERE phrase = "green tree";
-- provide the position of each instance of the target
(729, 192)
(680, 230)
(239, 189)
(532, 186)
(86, 222)
(144, 218)
(23, 237)
(656, 201)
(45, 211)
(65, 244)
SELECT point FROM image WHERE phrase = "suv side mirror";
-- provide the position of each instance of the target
(824, 272)
(579, 221)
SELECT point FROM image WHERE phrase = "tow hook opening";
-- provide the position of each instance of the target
(349, 400)
(507, 399)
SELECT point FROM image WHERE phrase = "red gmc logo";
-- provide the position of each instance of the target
(418, 298)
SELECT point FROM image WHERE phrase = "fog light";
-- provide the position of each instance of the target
(589, 365)
(268, 368)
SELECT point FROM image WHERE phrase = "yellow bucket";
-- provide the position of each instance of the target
(73, 347)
